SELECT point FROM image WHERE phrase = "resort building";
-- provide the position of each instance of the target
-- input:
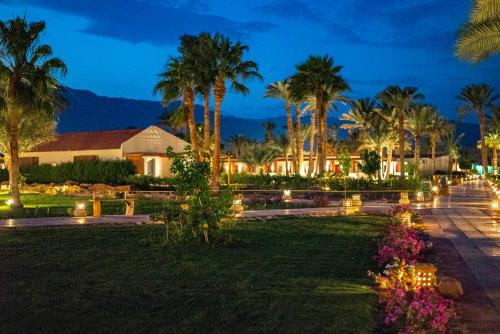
(145, 148)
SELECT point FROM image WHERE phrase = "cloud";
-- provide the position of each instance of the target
(289, 9)
(154, 22)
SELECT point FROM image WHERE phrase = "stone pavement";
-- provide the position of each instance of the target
(464, 219)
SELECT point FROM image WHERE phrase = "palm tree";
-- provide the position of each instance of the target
(237, 145)
(28, 79)
(259, 155)
(418, 121)
(282, 144)
(281, 90)
(377, 137)
(176, 82)
(437, 128)
(478, 98)
(318, 77)
(229, 66)
(176, 120)
(400, 100)
(268, 130)
(452, 142)
(311, 107)
(492, 140)
(360, 114)
(480, 37)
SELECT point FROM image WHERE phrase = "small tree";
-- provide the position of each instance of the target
(370, 164)
(345, 167)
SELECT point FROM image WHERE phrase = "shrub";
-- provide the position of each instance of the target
(147, 182)
(92, 171)
(265, 181)
(321, 200)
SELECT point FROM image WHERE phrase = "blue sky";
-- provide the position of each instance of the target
(116, 47)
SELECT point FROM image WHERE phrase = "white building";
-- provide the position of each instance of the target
(145, 148)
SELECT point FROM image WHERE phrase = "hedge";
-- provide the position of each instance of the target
(113, 172)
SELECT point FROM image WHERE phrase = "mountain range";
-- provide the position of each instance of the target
(87, 111)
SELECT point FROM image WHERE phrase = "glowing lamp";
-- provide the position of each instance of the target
(449, 182)
(420, 196)
(404, 198)
(435, 189)
(347, 202)
(356, 200)
(185, 207)
(495, 204)
(80, 209)
(9, 202)
(406, 217)
(237, 205)
(287, 195)
(425, 275)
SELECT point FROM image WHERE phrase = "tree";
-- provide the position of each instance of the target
(230, 67)
(418, 121)
(478, 99)
(359, 115)
(437, 128)
(177, 120)
(238, 144)
(452, 142)
(318, 77)
(345, 167)
(281, 90)
(400, 99)
(492, 140)
(282, 144)
(28, 79)
(268, 129)
(480, 37)
(370, 164)
(178, 82)
(378, 136)
(259, 155)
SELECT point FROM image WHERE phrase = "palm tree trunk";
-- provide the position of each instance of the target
(389, 162)
(402, 144)
(484, 152)
(312, 131)
(206, 121)
(291, 136)
(299, 150)
(325, 139)
(189, 104)
(380, 152)
(494, 160)
(286, 163)
(416, 158)
(219, 93)
(14, 160)
(433, 153)
(319, 146)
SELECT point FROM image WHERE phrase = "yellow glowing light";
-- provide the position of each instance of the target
(406, 217)
(80, 209)
(80, 206)
(425, 275)
(404, 198)
(420, 196)
(9, 202)
(435, 189)
(287, 195)
(495, 204)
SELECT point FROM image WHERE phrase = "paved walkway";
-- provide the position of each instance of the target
(65, 221)
(464, 219)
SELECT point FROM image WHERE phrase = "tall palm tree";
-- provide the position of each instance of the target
(418, 121)
(177, 120)
(318, 77)
(400, 100)
(28, 79)
(259, 155)
(437, 128)
(281, 90)
(478, 99)
(452, 142)
(377, 137)
(178, 81)
(480, 37)
(269, 127)
(282, 144)
(230, 67)
(311, 107)
(492, 140)
(299, 138)
(359, 115)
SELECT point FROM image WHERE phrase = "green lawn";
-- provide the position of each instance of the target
(304, 275)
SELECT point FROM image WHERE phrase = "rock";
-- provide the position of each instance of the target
(450, 287)
(70, 183)
(100, 187)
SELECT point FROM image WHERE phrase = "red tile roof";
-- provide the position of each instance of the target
(81, 141)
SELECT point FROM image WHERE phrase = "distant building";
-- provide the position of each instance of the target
(145, 148)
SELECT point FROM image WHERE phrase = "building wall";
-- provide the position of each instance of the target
(57, 157)
(161, 166)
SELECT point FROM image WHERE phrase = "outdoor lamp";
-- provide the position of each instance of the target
(404, 198)
(9, 202)
(420, 196)
(356, 199)
(495, 204)
(435, 189)
(425, 275)
(80, 209)
(406, 217)
(237, 205)
(287, 195)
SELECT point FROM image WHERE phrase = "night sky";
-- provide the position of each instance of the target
(116, 47)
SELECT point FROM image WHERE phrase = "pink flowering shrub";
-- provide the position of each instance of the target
(400, 242)
(397, 210)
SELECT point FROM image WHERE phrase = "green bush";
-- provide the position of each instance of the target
(92, 171)
(366, 184)
(265, 181)
(147, 182)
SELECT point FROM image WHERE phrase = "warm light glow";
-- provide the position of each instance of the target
(287, 195)
(356, 197)
(80, 209)
(435, 189)
(495, 204)
(406, 217)
(9, 202)
(425, 275)
(420, 196)
(404, 198)
(80, 206)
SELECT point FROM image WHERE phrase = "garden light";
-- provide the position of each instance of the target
(9, 202)
(237, 206)
(406, 217)
(356, 199)
(435, 189)
(425, 275)
(80, 209)
(287, 195)
(404, 198)
(420, 196)
(495, 204)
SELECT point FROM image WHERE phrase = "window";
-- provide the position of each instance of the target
(151, 167)
(84, 157)
(29, 161)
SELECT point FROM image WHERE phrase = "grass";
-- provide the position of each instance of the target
(285, 275)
